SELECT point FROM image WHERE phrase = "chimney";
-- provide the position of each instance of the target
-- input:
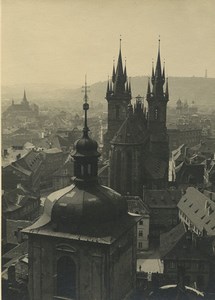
(12, 274)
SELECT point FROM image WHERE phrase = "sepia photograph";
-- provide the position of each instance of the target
(107, 150)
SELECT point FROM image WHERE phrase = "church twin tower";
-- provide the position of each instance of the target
(136, 140)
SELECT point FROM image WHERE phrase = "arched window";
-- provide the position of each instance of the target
(66, 278)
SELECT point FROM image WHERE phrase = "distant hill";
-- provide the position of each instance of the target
(198, 89)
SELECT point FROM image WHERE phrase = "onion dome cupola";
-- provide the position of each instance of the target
(87, 207)
(85, 154)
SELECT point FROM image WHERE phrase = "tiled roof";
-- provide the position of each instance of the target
(199, 209)
(169, 240)
(136, 205)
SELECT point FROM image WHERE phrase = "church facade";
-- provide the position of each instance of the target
(84, 245)
(139, 146)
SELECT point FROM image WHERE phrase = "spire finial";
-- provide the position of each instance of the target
(120, 41)
(159, 42)
(85, 108)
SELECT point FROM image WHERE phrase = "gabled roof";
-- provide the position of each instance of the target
(199, 209)
(170, 239)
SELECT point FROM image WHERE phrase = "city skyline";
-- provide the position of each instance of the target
(56, 42)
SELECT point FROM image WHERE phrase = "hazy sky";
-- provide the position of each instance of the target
(58, 41)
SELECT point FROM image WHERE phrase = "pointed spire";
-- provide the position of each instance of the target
(164, 71)
(111, 87)
(167, 90)
(108, 86)
(114, 72)
(125, 71)
(85, 108)
(119, 70)
(153, 72)
(24, 100)
(148, 88)
(129, 86)
(158, 65)
(159, 76)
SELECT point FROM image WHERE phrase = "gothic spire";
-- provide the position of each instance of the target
(114, 72)
(108, 86)
(153, 72)
(148, 90)
(119, 83)
(164, 71)
(167, 90)
(158, 65)
(158, 79)
(125, 72)
(24, 100)
(129, 86)
(119, 70)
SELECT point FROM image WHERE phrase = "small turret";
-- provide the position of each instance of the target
(148, 96)
(114, 72)
(85, 154)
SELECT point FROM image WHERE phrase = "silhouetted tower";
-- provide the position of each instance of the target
(24, 100)
(118, 96)
(157, 105)
(126, 171)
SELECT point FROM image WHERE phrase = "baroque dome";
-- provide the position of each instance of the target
(90, 205)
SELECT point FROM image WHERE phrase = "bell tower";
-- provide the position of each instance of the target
(118, 96)
(157, 99)
(157, 108)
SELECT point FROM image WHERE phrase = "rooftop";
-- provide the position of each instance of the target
(199, 209)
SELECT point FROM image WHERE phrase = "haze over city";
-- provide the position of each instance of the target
(57, 42)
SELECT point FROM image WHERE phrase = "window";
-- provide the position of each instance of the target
(140, 245)
(140, 233)
(66, 278)
(141, 223)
